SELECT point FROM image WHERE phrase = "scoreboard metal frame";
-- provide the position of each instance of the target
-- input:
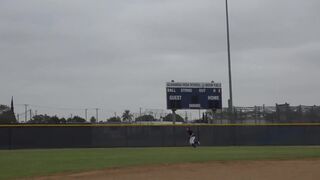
(194, 95)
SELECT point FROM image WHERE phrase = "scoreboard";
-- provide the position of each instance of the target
(193, 95)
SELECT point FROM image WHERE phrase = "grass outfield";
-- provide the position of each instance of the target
(28, 163)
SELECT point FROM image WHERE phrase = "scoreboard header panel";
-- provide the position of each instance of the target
(194, 95)
(193, 85)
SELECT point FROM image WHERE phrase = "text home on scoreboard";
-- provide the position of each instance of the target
(193, 95)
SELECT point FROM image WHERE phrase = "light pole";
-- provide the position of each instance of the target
(230, 101)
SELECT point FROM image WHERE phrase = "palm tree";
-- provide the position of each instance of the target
(127, 116)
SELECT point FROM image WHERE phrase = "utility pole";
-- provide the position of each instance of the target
(30, 111)
(186, 117)
(25, 112)
(230, 101)
(97, 113)
(86, 114)
(140, 111)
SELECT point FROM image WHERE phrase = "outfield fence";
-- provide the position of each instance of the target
(96, 136)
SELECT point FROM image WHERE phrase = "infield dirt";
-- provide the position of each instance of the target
(230, 170)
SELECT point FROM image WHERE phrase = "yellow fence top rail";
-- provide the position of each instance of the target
(156, 125)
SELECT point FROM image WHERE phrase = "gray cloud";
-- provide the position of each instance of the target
(118, 55)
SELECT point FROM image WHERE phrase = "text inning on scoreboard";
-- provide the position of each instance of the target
(194, 95)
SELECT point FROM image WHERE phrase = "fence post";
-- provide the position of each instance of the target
(126, 136)
(10, 137)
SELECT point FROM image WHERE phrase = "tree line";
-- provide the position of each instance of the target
(126, 117)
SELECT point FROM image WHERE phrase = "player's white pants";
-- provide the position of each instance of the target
(191, 140)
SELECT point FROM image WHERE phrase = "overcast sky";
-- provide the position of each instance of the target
(118, 54)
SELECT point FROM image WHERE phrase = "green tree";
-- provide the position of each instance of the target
(169, 117)
(145, 118)
(76, 119)
(7, 115)
(63, 120)
(41, 119)
(127, 116)
(54, 120)
(93, 119)
(114, 120)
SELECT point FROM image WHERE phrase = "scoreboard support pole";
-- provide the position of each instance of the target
(213, 111)
(174, 116)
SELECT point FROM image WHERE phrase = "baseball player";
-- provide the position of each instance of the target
(192, 138)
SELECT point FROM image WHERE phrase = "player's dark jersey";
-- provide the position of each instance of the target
(190, 132)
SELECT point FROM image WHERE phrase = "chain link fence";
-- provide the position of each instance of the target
(280, 113)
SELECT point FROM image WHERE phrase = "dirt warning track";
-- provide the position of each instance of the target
(239, 170)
